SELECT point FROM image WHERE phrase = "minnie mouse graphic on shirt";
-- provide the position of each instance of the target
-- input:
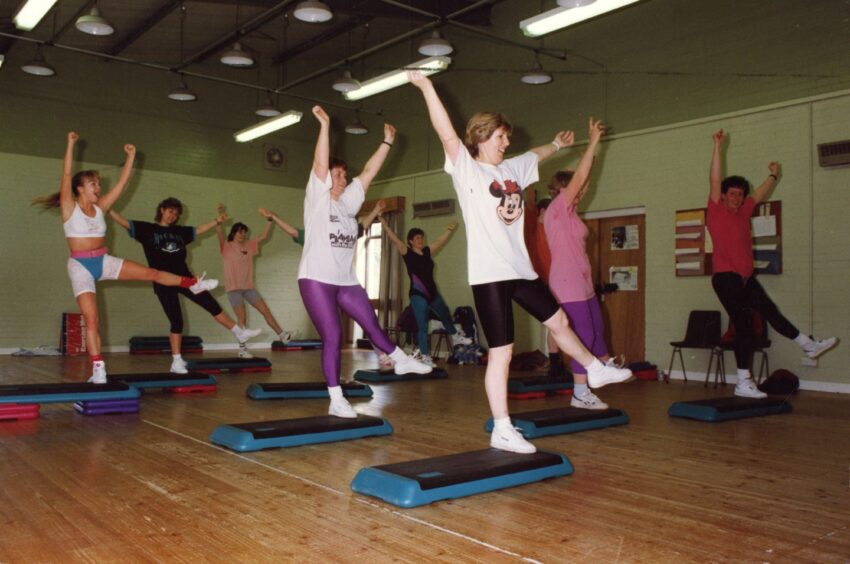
(510, 200)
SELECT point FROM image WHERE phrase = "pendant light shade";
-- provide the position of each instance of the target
(267, 109)
(435, 46)
(536, 76)
(346, 83)
(182, 93)
(94, 24)
(575, 3)
(356, 128)
(38, 66)
(312, 11)
(237, 57)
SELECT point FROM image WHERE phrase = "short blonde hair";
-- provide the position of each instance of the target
(481, 126)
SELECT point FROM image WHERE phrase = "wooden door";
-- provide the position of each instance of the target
(616, 247)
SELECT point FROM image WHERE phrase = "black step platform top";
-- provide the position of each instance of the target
(539, 379)
(306, 425)
(561, 415)
(453, 469)
(735, 403)
(60, 388)
(306, 386)
(157, 377)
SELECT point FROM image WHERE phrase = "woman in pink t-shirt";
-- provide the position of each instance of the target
(569, 276)
(237, 253)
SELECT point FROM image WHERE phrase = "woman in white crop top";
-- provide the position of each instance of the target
(83, 209)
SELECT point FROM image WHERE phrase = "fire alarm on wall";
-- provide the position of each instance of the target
(273, 158)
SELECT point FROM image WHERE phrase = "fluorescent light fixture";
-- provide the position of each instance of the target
(268, 126)
(312, 11)
(398, 77)
(2, 60)
(31, 12)
(94, 24)
(435, 46)
(565, 16)
(237, 57)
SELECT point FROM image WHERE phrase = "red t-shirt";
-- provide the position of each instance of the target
(731, 234)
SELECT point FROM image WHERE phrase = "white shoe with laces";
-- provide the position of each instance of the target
(817, 348)
(243, 351)
(411, 365)
(385, 363)
(746, 388)
(588, 400)
(509, 439)
(98, 372)
(178, 366)
(460, 339)
(599, 375)
(285, 337)
(341, 408)
(616, 361)
(424, 359)
(245, 334)
(203, 284)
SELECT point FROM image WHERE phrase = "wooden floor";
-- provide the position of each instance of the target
(150, 487)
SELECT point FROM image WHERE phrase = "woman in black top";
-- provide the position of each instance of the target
(164, 243)
(424, 296)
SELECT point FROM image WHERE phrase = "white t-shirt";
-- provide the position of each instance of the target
(491, 200)
(330, 232)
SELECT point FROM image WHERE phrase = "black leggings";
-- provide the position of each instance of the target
(494, 308)
(741, 299)
(168, 297)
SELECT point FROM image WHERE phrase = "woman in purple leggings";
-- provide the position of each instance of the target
(326, 276)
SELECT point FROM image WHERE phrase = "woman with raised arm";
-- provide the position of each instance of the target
(164, 243)
(570, 276)
(424, 296)
(488, 188)
(237, 253)
(83, 208)
(326, 275)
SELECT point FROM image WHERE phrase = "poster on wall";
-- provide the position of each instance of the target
(625, 237)
(625, 277)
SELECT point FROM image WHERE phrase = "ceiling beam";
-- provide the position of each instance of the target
(152, 20)
(350, 24)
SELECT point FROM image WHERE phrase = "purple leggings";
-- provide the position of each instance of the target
(586, 321)
(323, 302)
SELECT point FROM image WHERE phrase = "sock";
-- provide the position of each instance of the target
(743, 374)
(501, 422)
(554, 359)
(335, 393)
(236, 330)
(803, 340)
(398, 355)
(96, 358)
(186, 282)
(579, 389)
(595, 365)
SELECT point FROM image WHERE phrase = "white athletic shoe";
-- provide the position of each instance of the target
(411, 365)
(746, 388)
(178, 366)
(243, 351)
(599, 375)
(460, 339)
(341, 408)
(588, 400)
(203, 284)
(98, 372)
(285, 337)
(617, 361)
(510, 439)
(385, 363)
(424, 359)
(817, 348)
(245, 334)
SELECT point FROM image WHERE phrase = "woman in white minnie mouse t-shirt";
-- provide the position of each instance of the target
(488, 188)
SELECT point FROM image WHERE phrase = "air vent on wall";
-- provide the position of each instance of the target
(436, 207)
(836, 153)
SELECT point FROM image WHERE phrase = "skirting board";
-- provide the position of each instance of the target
(809, 385)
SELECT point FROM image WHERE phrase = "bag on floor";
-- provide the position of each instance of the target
(781, 383)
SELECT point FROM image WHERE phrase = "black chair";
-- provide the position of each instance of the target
(703, 333)
(727, 343)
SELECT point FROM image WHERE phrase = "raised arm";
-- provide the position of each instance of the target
(322, 154)
(376, 161)
(581, 176)
(288, 229)
(437, 112)
(108, 200)
(441, 241)
(715, 171)
(562, 140)
(760, 194)
(265, 234)
(66, 192)
(204, 227)
(376, 211)
(219, 231)
(400, 246)
(119, 219)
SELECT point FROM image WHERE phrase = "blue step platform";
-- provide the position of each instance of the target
(538, 386)
(64, 392)
(728, 408)
(563, 420)
(244, 437)
(420, 482)
(375, 376)
(164, 379)
(303, 390)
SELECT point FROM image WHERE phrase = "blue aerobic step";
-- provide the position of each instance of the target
(563, 420)
(726, 409)
(303, 390)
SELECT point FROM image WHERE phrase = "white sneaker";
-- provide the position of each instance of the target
(178, 366)
(98, 373)
(460, 339)
(243, 352)
(509, 439)
(424, 359)
(341, 408)
(617, 361)
(817, 348)
(203, 285)
(385, 363)
(599, 375)
(245, 334)
(588, 400)
(411, 365)
(285, 337)
(746, 388)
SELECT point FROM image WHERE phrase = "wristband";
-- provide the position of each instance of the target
(773, 176)
(557, 145)
(387, 143)
(269, 218)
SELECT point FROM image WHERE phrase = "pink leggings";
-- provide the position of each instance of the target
(323, 302)
(586, 321)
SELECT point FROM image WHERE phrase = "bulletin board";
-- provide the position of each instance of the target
(694, 248)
